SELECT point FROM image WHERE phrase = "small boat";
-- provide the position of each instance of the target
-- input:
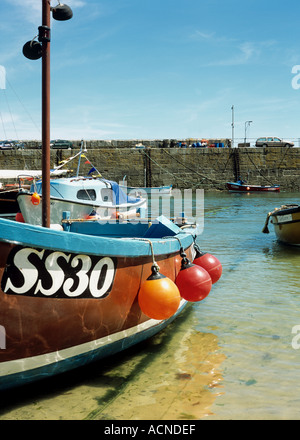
(139, 191)
(81, 196)
(244, 187)
(286, 221)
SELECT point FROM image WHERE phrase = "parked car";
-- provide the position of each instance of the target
(271, 141)
(59, 143)
(11, 145)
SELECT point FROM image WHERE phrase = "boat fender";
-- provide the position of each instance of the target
(159, 297)
(210, 263)
(19, 217)
(35, 199)
(193, 281)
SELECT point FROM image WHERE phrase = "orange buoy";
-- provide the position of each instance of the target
(194, 282)
(19, 217)
(115, 214)
(210, 263)
(35, 199)
(159, 297)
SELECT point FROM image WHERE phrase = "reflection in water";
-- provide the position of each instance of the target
(174, 375)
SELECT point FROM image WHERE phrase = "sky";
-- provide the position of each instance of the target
(155, 69)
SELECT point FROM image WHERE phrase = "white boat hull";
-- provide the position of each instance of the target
(33, 213)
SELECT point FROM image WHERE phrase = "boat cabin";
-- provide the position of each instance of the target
(87, 189)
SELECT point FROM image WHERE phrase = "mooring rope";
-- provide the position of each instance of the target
(194, 171)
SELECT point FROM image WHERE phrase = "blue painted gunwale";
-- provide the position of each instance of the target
(35, 236)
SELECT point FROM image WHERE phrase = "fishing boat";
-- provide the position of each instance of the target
(88, 289)
(286, 222)
(72, 296)
(81, 196)
(245, 187)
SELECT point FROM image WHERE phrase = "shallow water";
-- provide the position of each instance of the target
(227, 357)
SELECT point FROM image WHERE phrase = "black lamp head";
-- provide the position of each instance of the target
(62, 12)
(32, 50)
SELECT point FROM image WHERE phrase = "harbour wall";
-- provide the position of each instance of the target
(207, 168)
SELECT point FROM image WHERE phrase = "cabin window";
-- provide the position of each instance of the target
(107, 194)
(86, 194)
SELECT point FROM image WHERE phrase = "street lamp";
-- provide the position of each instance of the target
(41, 49)
(247, 124)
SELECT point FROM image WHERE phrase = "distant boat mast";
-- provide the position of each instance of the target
(232, 127)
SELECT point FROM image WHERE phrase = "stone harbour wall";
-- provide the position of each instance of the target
(207, 168)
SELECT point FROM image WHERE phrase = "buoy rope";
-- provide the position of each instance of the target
(271, 183)
(151, 247)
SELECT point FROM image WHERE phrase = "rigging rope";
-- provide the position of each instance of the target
(162, 167)
(196, 172)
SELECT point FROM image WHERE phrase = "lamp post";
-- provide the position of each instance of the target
(41, 49)
(247, 124)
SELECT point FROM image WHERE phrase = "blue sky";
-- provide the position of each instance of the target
(154, 69)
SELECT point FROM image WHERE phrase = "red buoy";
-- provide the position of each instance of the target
(159, 297)
(20, 218)
(194, 282)
(210, 263)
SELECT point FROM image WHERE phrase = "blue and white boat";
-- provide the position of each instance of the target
(80, 196)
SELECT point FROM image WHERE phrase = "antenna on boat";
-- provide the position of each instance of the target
(79, 159)
(35, 50)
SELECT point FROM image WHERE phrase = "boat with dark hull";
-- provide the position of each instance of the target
(9, 191)
(8, 200)
(244, 187)
(286, 222)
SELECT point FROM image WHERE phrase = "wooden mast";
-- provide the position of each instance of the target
(46, 117)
